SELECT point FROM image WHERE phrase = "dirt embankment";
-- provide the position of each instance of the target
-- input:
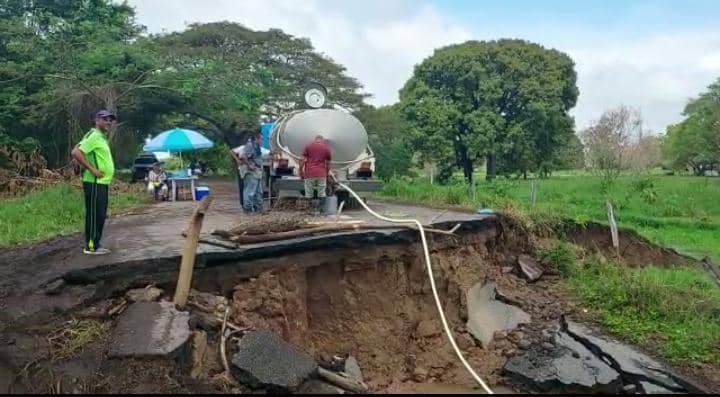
(371, 302)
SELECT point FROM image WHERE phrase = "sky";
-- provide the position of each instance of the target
(653, 55)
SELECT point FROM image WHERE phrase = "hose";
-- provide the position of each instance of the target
(426, 251)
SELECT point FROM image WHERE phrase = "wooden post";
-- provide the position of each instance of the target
(613, 228)
(533, 192)
(187, 262)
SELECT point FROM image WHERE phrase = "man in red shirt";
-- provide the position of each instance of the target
(315, 166)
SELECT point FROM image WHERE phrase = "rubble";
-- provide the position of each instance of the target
(352, 368)
(149, 329)
(486, 315)
(561, 371)
(265, 361)
(633, 364)
(529, 268)
(148, 294)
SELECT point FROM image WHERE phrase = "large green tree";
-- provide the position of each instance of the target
(695, 142)
(387, 131)
(228, 75)
(506, 101)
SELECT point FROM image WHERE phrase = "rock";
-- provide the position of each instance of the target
(151, 294)
(97, 311)
(315, 386)
(560, 372)
(499, 335)
(149, 329)
(649, 388)
(629, 389)
(507, 269)
(524, 344)
(352, 368)
(420, 374)
(547, 346)
(509, 353)
(465, 341)
(529, 268)
(264, 360)
(54, 287)
(630, 361)
(428, 329)
(205, 360)
(487, 315)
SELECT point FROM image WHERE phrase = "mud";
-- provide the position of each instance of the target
(365, 295)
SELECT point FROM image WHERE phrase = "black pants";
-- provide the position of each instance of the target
(96, 205)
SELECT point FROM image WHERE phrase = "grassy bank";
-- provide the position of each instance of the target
(673, 311)
(673, 211)
(56, 210)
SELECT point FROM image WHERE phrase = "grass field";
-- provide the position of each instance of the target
(681, 212)
(57, 210)
(674, 311)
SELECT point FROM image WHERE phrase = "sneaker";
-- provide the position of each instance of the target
(99, 251)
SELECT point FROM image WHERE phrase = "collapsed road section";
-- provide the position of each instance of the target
(342, 312)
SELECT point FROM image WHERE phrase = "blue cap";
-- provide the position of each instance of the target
(104, 113)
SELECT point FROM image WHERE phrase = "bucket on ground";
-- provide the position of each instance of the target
(330, 205)
(201, 192)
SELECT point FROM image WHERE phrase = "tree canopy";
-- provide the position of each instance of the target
(695, 142)
(62, 60)
(506, 101)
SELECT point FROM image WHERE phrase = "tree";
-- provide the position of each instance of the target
(387, 131)
(571, 156)
(695, 142)
(610, 140)
(228, 75)
(505, 101)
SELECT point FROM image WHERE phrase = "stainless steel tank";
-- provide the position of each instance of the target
(345, 134)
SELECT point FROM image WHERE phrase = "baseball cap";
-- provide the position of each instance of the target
(104, 113)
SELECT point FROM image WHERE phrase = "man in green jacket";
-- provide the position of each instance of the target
(93, 153)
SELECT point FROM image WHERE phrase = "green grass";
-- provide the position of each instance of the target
(675, 311)
(57, 210)
(682, 212)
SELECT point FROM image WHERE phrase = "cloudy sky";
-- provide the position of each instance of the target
(649, 54)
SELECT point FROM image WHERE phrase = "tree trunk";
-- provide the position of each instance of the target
(491, 167)
(465, 163)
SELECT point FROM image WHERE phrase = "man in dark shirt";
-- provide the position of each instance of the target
(315, 166)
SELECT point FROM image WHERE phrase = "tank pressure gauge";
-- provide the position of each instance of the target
(315, 95)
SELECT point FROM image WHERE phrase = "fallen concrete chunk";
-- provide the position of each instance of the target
(569, 368)
(352, 368)
(151, 294)
(264, 360)
(315, 386)
(487, 315)
(149, 329)
(624, 358)
(529, 268)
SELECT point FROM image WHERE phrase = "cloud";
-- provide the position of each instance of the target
(379, 41)
(657, 74)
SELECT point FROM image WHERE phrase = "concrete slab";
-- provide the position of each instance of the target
(150, 329)
(570, 368)
(264, 360)
(487, 315)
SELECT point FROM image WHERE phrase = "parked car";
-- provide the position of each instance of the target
(142, 165)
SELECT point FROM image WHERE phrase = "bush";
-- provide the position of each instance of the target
(560, 258)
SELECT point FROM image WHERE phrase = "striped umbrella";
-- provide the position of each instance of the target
(178, 140)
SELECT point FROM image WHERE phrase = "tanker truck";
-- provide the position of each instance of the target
(353, 161)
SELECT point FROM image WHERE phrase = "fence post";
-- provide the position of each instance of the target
(613, 228)
(533, 192)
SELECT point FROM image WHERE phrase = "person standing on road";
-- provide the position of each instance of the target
(249, 162)
(315, 167)
(93, 153)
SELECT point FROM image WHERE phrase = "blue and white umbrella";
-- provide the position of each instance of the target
(178, 140)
